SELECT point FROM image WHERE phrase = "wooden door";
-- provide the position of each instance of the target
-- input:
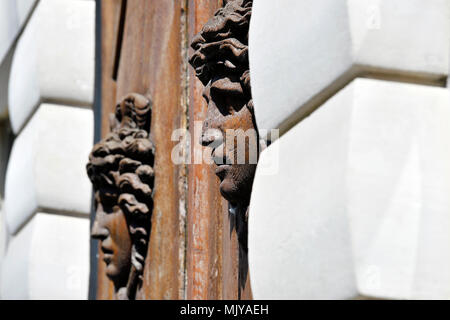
(193, 251)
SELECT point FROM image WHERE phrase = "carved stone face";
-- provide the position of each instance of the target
(227, 110)
(111, 228)
(120, 169)
(220, 60)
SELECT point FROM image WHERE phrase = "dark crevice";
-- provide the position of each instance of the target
(119, 41)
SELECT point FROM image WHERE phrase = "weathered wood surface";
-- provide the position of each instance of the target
(206, 209)
(193, 253)
(110, 24)
(150, 63)
(213, 251)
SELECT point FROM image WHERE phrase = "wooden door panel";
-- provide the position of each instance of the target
(150, 63)
(206, 208)
(110, 21)
(193, 251)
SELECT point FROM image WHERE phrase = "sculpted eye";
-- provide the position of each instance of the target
(205, 97)
(107, 200)
(229, 103)
(228, 95)
(205, 94)
(237, 102)
(222, 103)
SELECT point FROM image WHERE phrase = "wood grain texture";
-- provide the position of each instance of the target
(151, 64)
(193, 250)
(110, 24)
(205, 206)
(212, 248)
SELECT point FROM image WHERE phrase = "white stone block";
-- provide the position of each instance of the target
(404, 35)
(398, 185)
(376, 158)
(54, 58)
(13, 14)
(47, 164)
(299, 239)
(48, 259)
(301, 52)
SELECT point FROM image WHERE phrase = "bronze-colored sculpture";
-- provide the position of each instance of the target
(221, 63)
(120, 169)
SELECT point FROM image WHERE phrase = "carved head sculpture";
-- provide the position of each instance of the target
(221, 63)
(120, 169)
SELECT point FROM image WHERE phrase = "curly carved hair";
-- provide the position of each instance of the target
(221, 47)
(120, 169)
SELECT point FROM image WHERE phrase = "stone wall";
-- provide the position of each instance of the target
(46, 97)
(350, 202)
(358, 206)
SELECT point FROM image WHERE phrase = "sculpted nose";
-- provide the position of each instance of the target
(98, 232)
(210, 136)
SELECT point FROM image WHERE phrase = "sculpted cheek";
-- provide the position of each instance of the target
(220, 61)
(228, 188)
(120, 169)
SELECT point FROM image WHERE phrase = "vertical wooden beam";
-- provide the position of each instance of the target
(205, 207)
(111, 11)
(197, 258)
(110, 17)
(212, 251)
(151, 63)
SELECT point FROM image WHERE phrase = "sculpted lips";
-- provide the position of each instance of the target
(107, 254)
(221, 162)
(107, 258)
